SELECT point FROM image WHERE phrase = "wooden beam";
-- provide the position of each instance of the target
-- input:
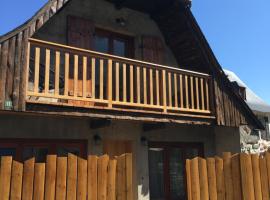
(99, 123)
(153, 126)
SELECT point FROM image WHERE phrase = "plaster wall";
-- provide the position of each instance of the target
(104, 15)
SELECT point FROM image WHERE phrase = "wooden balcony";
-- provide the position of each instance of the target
(68, 76)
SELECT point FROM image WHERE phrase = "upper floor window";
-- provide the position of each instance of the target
(113, 43)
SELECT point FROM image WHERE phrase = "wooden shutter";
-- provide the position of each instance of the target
(153, 49)
(80, 34)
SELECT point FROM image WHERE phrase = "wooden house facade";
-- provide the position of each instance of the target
(118, 76)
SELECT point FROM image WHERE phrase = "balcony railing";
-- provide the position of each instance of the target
(59, 74)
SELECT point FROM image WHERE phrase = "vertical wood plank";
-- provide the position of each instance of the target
(236, 177)
(3, 72)
(264, 178)
(131, 84)
(181, 91)
(220, 178)
(197, 93)
(72, 177)
(267, 157)
(39, 181)
(164, 91)
(16, 181)
(192, 92)
(202, 94)
(157, 87)
(93, 74)
(189, 184)
(110, 82)
(175, 91)
(124, 82)
(47, 71)
(84, 76)
(144, 86)
(61, 179)
(56, 73)
(66, 73)
(102, 177)
(204, 193)
(247, 177)
(37, 63)
(101, 79)
(28, 179)
(76, 75)
(5, 174)
(117, 81)
(256, 176)
(195, 180)
(82, 179)
(187, 92)
(129, 188)
(228, 175)
(138, 85)
(92, 177)
(212, 181)
(50, 177)
(170, 88)
(121, 178)
(151, 86)
(111, 193)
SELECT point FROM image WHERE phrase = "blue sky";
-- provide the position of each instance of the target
(238, 32)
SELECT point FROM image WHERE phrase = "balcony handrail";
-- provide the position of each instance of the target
(109, 56)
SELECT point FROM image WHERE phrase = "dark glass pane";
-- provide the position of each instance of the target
(191, 153)
(177, 187)
(39, 153)
(119, 48)
(101, 44)
(156, 173)
(64, 151)
(8, 152)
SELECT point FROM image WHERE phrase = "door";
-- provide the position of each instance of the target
(167, 169)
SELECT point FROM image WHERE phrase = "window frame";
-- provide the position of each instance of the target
(20, 143)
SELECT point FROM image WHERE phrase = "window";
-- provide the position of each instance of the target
(113, 43)
(23, 149)
(167, 168)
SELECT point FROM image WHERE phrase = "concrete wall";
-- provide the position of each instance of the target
(104, 14)
(19, 126)
(227, 139)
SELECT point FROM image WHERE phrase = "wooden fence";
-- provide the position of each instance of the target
(71, 178)
(232, 177)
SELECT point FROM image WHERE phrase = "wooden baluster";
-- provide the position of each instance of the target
(47, 71)
(138, 85)
(27, 66)
(66, 73)
(110, 83)
(175, 91)
(170, 88)
(192, 92)
(144, 86)
(207, 94)
(202, 94)
(197, 93)
(101, 81)
(151, 87)
(124, 82)
(181, 91)
(56, 73)
(131, 85)
(157, 87)
(164, 90)
(186, 84)
(93, 77)
(84, 76)
(37, 62)
(75, 75)
(117, 81)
